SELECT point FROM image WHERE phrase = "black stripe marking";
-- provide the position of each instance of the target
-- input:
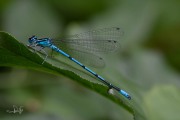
(70, 57)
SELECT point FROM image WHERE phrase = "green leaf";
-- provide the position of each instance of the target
(15, 54)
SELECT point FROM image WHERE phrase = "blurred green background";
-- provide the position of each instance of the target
(147, 65)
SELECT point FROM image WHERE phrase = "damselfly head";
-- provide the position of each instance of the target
(32, 39)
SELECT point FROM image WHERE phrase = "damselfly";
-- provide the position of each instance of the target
(100, 40)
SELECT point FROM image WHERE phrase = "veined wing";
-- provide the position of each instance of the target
(100, 40)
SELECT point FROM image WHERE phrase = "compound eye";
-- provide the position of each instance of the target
(33, 38)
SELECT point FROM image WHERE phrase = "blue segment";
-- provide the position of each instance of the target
(54, 47)
(125, 94)
(101, 77)
(44, 42)
(77, 62)
(63, 53)
(108, 43)
(90, 70)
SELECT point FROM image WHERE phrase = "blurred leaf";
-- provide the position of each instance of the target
(15, 54)
(3, 4)
(78, 9)
(165, 35)
(159, 99)
(167, 41)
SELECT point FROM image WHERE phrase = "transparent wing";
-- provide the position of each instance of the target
(89, 59)
(100, 40)
(84, 46)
